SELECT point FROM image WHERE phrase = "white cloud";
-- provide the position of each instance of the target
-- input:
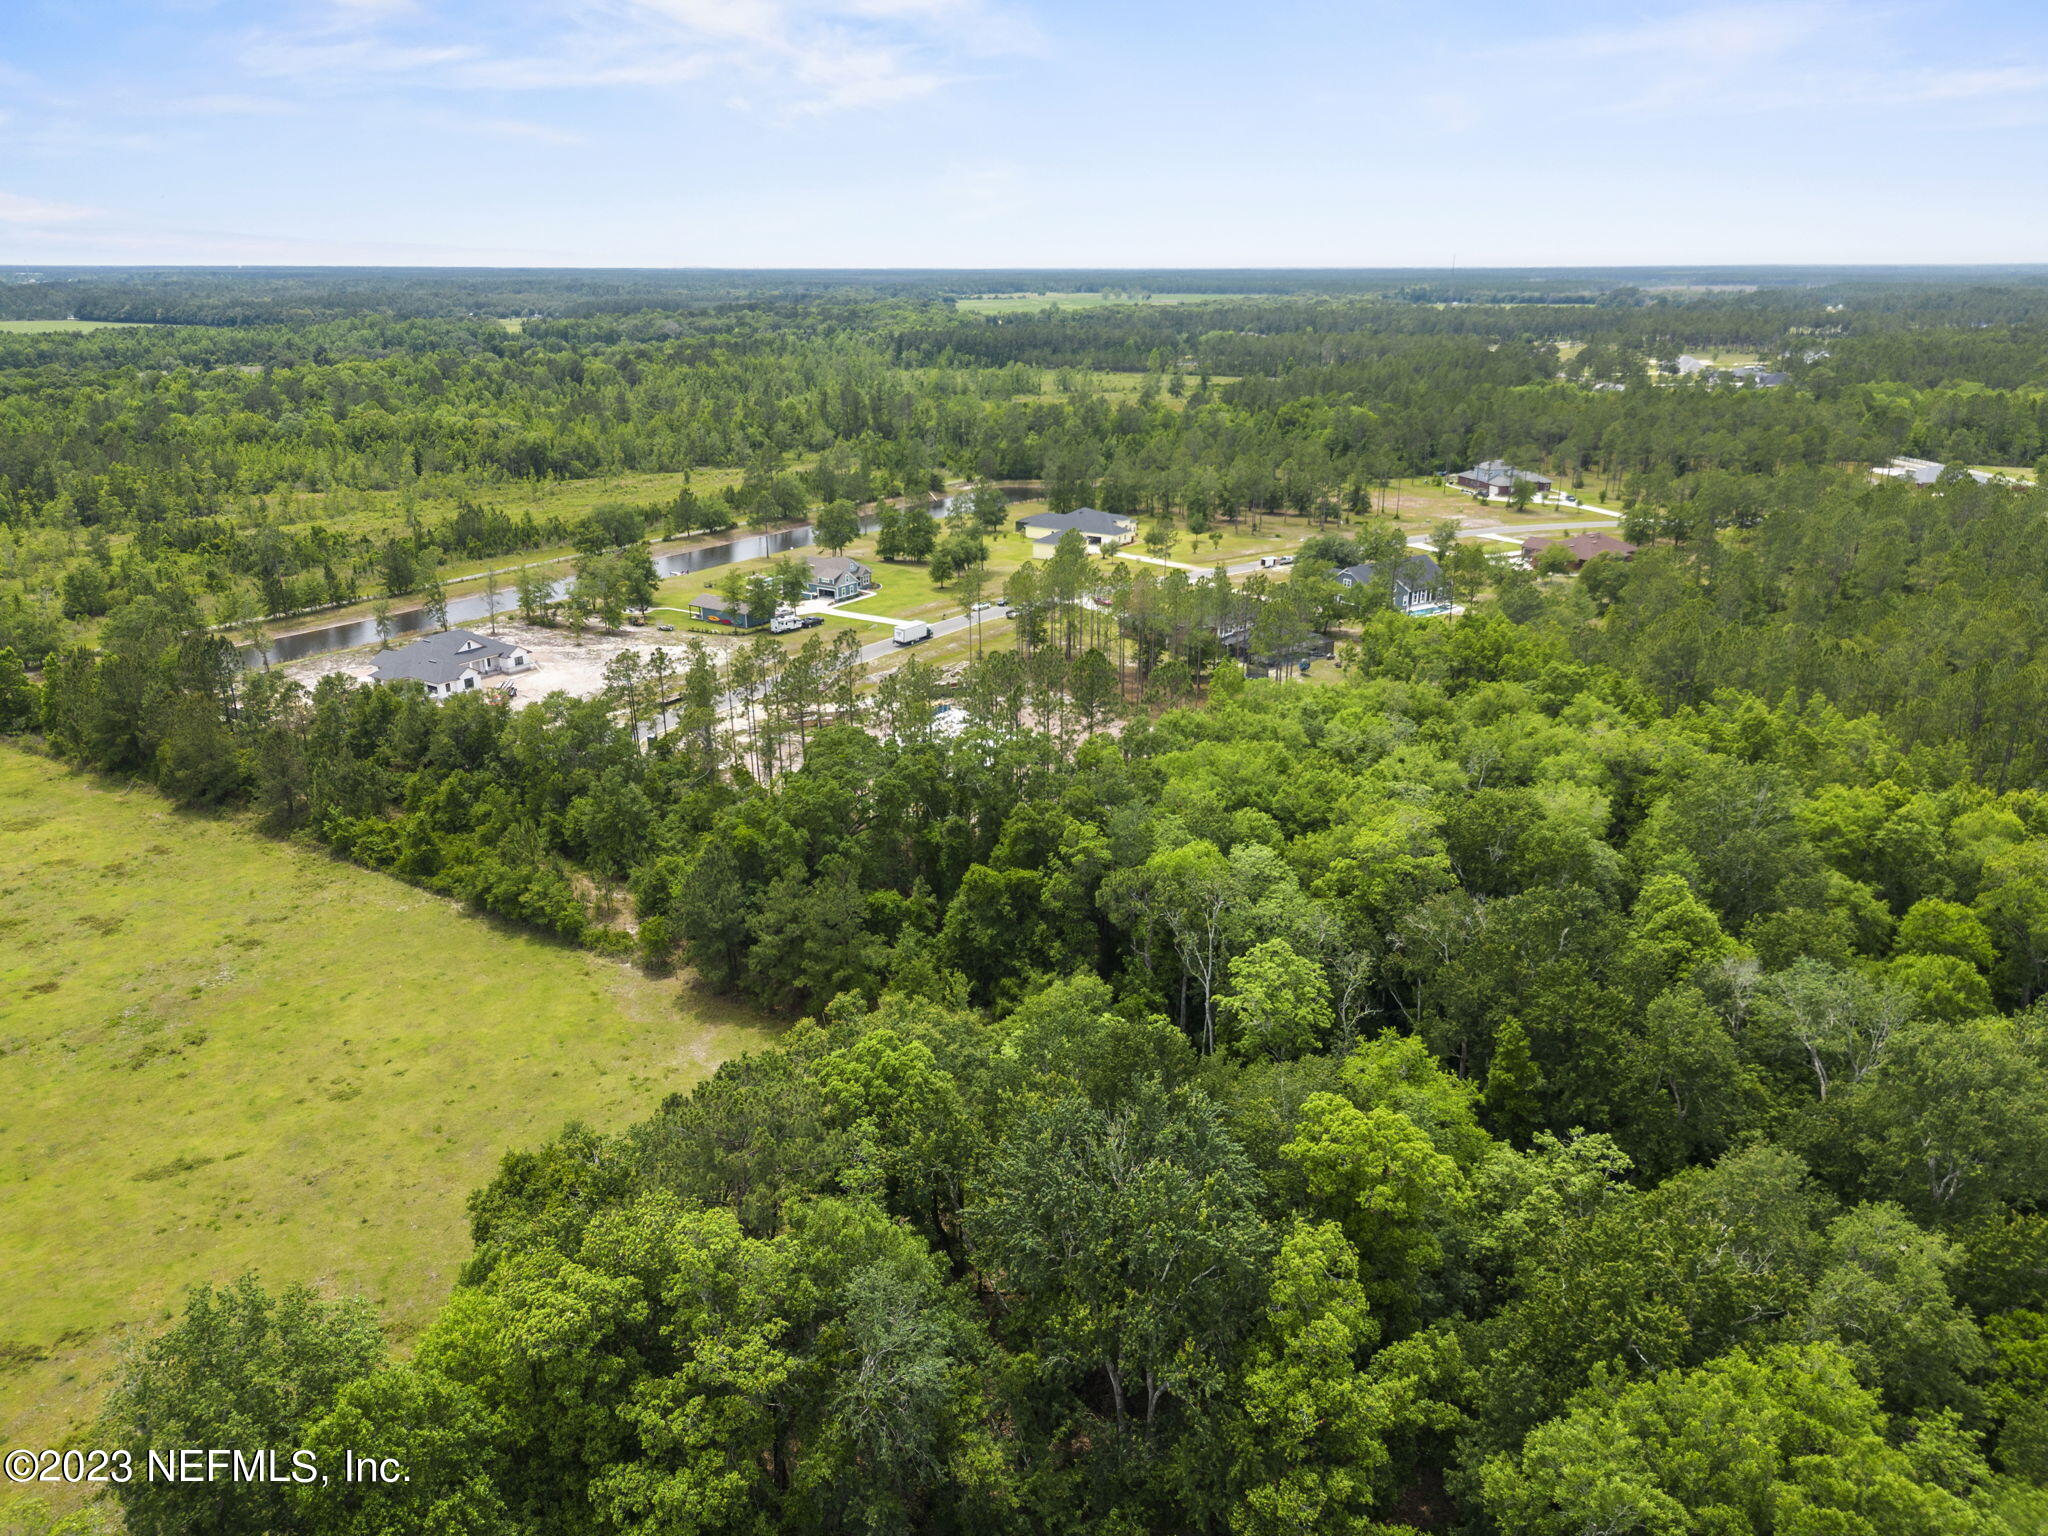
(803, 56)
(224, 104)
(517, 129)
(16, 209)
(1971, 84)
(336, 58)
(1720, 33)
(1805, 58)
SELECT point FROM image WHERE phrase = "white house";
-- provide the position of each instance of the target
(1928, 471)
(454, 661)
(1102, 530)
(838, 577)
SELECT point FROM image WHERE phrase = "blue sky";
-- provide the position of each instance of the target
(803, 133)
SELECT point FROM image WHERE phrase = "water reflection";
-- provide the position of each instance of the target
(347, 634)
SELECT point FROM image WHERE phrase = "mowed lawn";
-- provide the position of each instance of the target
(905, 589)
(222, 1052)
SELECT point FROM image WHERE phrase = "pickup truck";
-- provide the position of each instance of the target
(912, 632)
(1267, 562)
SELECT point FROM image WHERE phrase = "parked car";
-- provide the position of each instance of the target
(811, 620)
(981, 607)
(667, 629)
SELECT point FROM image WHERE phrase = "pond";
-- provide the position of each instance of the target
(347, 634)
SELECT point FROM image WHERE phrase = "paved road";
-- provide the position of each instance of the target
(940, 629)
(876, 651)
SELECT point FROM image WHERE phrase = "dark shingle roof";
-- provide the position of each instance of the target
(1499, 472)
(711, 602)
(834, 568)
(1081, 520)
(440, 658)
(1418, 573)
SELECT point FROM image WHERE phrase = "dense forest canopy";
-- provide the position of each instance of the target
(1585, 1068)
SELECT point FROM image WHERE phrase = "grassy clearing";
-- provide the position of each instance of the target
(1111, 386)
(1032, 303)
(1423, 499)
(220, 1052)
(40, 327)
(685, 625)
(1225, 545)
(381, 514)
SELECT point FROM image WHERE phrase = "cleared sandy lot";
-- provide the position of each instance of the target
(563, 663)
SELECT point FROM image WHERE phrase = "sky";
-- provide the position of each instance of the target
(1022, 133)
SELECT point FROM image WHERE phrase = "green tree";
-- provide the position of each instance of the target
(1379, 1176)
(1514, 1084)
(838, 525)
(919, 531)
(1882, 1294)
(1311, 1449)
(1936, 927)
(19, 706)
(1782, 1440)
(1128, 1244)
(1955, 1120)
(240, 1369)
(991, 508)
(1279, 1003)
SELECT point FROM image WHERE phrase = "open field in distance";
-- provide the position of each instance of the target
(1031, 303)
(34, 327)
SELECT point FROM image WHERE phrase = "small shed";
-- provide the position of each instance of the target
(714, 609)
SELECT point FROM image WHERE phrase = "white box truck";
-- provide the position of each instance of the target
(912, 632)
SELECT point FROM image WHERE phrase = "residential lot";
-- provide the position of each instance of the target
(563, 662)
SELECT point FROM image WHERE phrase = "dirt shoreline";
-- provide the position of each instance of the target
(322, 618)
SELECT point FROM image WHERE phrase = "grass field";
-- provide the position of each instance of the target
(35, 327)
(1031, 303)
(383, 513)
(221, 1052)
(685, 625)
